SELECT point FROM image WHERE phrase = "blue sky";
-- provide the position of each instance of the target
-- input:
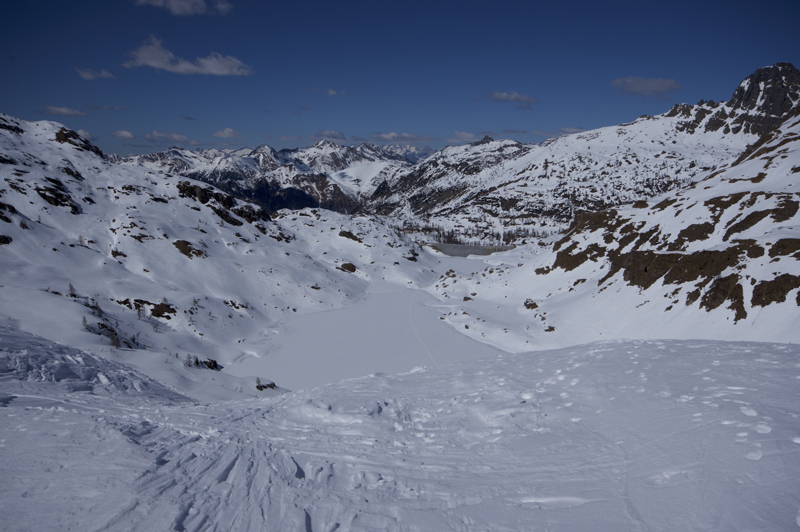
(141, 75)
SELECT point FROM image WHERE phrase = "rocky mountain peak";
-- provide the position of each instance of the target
(773, 90)
(485, 140)
(325, 143)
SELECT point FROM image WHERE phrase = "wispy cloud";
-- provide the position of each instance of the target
(644, 87)
(161, 137)
(558, 132)
(515, 131)
(523, 101)
(85, 134)
(104, 107)
(152, 54)
(62, 111)
(327, 134)
(331, 92)
(90, 75)
(189, 118)
(228, 133)
(462, 136)
(223, 6)
(400, 137)
(188, 7)
(302, 109)
(267, 136)
(122, 134)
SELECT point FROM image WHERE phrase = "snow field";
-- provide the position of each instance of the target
(656, 435)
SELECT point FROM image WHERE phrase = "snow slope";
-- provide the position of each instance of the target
(718, 260)
(648, 435)
(584, 382)
(155, 268)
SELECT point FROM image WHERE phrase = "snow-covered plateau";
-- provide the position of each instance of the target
(175, 357)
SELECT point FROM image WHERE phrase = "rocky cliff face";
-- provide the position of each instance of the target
(729, 241)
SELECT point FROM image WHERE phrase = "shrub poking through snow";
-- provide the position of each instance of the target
(263, 386)
(187, 249)
(348, 267)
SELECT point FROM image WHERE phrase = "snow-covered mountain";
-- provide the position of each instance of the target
(718, 259)
(159, 265)
(323, 175)
(414, 154)
(516, 189)
(490, 189)
(623, 375)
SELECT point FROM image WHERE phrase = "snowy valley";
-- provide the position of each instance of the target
(263, 340)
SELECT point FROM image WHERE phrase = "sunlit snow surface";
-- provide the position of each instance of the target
(626, 435)
(482, 418)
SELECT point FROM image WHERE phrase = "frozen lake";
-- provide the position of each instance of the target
(392, 330)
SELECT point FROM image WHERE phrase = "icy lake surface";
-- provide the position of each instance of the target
(392, 330)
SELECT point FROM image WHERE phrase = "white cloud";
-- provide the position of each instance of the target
(188, 7)
(327, 134)
(228, 133)
(89, 74)
(223, 6)
(85, 134)
(122, 134)
(558, 132)
(462, 136)
(152, 54)
(523, 100)
(400, 137)
(331, 92)
(162, 137)
(104, 107)
(63, 111)
(570, 130)
(645, 87)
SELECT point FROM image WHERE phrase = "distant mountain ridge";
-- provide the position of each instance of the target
(322, 175)
(503, 189)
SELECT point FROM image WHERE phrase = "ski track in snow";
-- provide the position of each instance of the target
(565, 440)
(416, 333)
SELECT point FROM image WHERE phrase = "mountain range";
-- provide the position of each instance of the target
(489, 188)
(193, 341)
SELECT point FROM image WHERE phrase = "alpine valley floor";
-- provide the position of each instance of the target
(619, 435)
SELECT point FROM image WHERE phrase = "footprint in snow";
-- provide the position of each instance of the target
(555, 503)
(761, 428)
(754, 455)
(748, 411)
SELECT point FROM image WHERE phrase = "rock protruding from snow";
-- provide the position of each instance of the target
(773, 90)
